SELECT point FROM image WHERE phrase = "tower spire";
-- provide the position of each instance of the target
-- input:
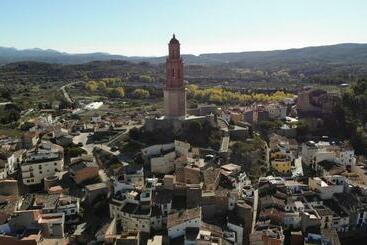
(174, 91)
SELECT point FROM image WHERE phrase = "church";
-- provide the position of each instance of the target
(175, 112)
(174, 89)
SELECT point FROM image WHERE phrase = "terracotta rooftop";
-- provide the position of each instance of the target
(183, 216)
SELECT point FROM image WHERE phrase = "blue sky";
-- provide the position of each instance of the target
(143, 27)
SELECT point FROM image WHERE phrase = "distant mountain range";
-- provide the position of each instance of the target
(339, 54)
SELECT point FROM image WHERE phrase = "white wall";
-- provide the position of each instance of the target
(179, 230)
(48, 169)
(239, 233)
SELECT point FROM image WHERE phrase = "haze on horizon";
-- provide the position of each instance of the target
(143, 27)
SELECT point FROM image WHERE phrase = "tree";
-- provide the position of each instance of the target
(91, 86)
(115, 92)
(140, 93)
(5, 94)
(26, 126)
(145, 78)
(134, 133)
(119, 92)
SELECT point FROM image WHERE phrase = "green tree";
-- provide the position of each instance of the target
(140, 93)
(91, 86)
(118, 92)
(145, 78)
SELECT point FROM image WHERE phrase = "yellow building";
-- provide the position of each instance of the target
(280, 162)
(281, 166)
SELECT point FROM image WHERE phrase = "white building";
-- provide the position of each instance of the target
(3, 172)
(163, 164)
(52, 225)
(178, 222)
(68, 205)
(276, 111)
(14, 161)
(134, 211)
(42, 161)
(327, 186)
(313, 153)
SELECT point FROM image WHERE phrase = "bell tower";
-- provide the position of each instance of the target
(174, 89)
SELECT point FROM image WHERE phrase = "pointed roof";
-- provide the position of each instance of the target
(174, 40)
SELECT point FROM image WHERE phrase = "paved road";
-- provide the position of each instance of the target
(256, 200)
(66, 95)
(225, 144)
(118, 137)
(267, 155)
(5, 103)
(82, 138)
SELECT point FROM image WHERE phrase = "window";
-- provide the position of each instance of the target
(39, 166)
(55, 163)
(40, 172)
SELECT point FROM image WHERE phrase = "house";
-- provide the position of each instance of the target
(281, 162)
(161, 158)
(52, 225)
(29, 140)
(315, 102)
(178, 222)
(96, 191)
(83, 168)
(132, 208)
(68, 205)
(14, 160)
(156, 240)
(3, 171)
(340, 153)
(327, 186)
(267, 234)
(42, 161)
(276, 111)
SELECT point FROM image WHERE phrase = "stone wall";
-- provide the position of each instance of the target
(8, 187)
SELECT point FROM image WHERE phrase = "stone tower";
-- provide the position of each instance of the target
(174, 90)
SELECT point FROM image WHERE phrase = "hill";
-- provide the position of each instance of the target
(332, 64)
(347, 53)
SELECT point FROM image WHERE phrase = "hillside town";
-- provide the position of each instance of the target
(210, 174)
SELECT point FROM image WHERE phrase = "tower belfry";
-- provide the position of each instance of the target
(174, 90)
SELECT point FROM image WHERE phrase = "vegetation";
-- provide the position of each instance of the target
(140, 93)
(108, 87)
(351, 116)
(334, 64)
(250, 156)
(9, 113)
(74, 151)
(146, 78)
(225, 96)
(269, 126)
